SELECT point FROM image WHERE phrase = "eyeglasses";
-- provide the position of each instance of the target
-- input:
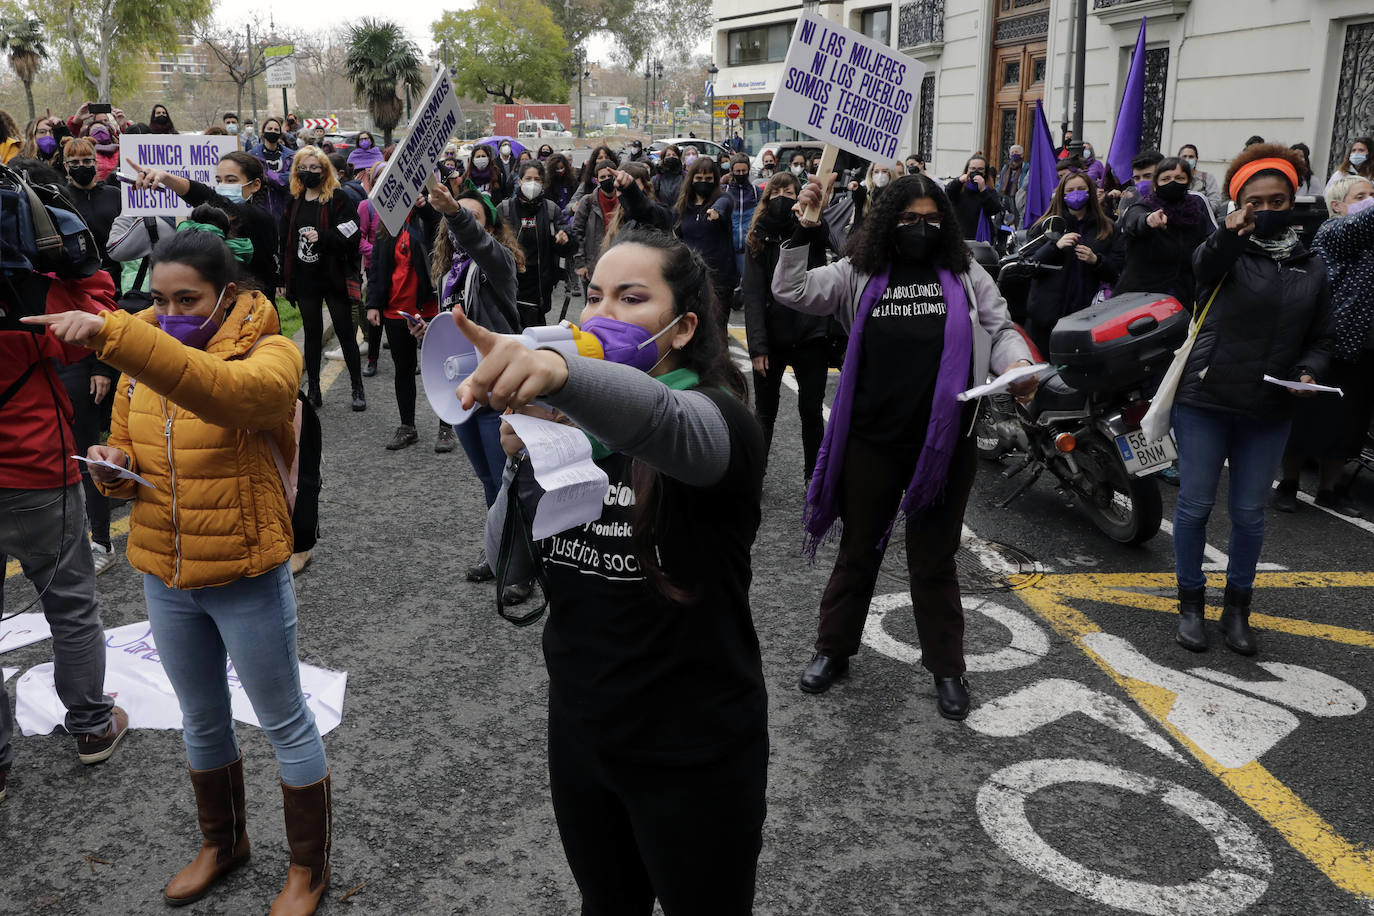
(311, 168)
(910, 219)
(81, 162)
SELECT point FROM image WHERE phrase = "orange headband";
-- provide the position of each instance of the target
(1247, 171)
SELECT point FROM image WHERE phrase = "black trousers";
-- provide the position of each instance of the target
(405, 352)
(809, 362)
(633, 832)
(875, 477)
(312, 305)
(89, 420)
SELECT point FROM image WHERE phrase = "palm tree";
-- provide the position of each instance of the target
(23, 39)
(379, 58)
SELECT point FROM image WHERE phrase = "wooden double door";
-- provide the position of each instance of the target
(1018, 80)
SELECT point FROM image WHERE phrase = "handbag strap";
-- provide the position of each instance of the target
(1197, 325)
(47, 238)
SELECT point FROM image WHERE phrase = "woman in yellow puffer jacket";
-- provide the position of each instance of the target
(204, 412)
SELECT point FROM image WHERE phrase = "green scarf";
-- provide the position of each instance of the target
(242, 248)
(678, 380)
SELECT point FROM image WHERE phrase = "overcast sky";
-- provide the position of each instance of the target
(413, 15)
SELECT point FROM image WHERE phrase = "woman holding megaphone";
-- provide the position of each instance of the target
(658, 743)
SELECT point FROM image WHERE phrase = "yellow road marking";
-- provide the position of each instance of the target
(120, 528)
(1350, 866)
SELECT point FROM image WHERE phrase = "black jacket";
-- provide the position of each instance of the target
(1056, 293)
(771, 327)
(339, 254)
(99, 206)
(423, 223)
(543, 258)
(711, 239)
(970, 205)
(1268, 318)
(254, 223)
(1160, 260)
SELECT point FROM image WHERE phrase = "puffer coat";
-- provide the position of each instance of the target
(196, 424)
(1268, 318)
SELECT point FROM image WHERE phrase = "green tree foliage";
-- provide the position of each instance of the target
(379, 60)
(506, 49)
(103, 42)
(22, 38)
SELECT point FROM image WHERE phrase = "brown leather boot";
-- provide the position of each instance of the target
(309, 825)
(220, 810)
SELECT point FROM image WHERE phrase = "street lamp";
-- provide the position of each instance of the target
(648, 71)
(711, 99)
(582, 73)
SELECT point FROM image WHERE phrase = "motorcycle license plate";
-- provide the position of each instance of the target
(1143, 457)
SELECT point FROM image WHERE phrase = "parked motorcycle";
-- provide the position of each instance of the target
(1083, 425)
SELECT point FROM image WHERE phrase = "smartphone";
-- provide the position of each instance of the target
(124, 178)
(413, 319)
(100, 108)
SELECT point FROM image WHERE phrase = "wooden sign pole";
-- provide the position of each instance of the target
(823, 171)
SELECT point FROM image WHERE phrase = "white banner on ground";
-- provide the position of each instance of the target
(846, 89)
(192, 157)
(22, 630)
(135, 678)
(436, 118)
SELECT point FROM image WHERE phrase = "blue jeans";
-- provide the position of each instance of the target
(1207, 440)
(254, 621)
(480, 437)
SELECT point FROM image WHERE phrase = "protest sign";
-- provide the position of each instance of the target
(191, 157)
(22, 630)
(846, 89)
(135, 678)
(436, 117)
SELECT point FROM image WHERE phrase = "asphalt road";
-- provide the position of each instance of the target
(1104, 770)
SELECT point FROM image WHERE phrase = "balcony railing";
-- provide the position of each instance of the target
(920, 22)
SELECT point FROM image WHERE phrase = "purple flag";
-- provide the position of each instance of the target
(1044, 174)
(1130, 119)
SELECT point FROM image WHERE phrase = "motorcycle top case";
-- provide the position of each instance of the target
(1119, 343)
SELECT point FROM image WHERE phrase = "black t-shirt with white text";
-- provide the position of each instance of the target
(646, 678)
(903, 339)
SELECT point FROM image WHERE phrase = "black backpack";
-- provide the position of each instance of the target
(41, 232)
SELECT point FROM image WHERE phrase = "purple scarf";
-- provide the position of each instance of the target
(942, 433)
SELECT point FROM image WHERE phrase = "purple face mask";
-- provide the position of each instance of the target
(192, 330)
(1076, 200)
(1359, 206)
(47, 145)
(1145, 187)
(625, 343)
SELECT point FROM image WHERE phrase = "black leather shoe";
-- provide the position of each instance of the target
(359, 399)
(315, 398)
(821, 673)
(1235, 622)
(1330, 499)
(370, 368)
(1192, 626)
(517, 592)
(1286, 496)
(481, 571)
(953, 697)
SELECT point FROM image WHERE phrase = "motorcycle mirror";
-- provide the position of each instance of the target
(1055, 227)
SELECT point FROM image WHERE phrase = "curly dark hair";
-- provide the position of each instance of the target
(1263, 151)
(871, 248)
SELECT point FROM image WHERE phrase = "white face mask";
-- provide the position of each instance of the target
(231, 129)
(799, 170)
(531, 189)
(480, 162)
(881, 179)
(1192, 161)
(505, 151)
(1357, 159)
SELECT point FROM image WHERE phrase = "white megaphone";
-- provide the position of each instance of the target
(447, 357)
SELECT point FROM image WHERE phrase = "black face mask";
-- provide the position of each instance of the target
(740, 180)
(779, 209)
(703, 188)
(162, 119)
(916, 242)
(1171, 192)
(1270, 223)
(82, 174)
(671, 165)
(310, 179)
(271, 136)
(607, 185)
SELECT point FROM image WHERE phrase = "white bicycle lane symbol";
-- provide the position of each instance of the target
(1232, 720)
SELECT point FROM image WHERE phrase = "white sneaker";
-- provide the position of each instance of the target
(336, 353)
(104, 557)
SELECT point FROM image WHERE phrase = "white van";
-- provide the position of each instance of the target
(544, 129)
